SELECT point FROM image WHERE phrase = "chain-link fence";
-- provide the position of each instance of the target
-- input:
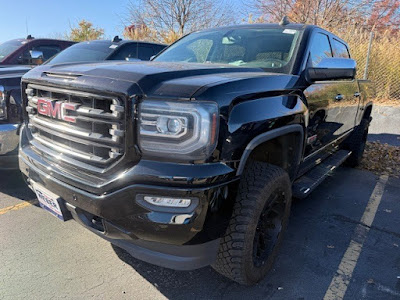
(383, 61)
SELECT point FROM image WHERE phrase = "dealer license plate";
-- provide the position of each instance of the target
(49, 201)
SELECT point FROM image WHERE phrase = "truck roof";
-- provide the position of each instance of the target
(26, 40)
(266, 25)
(121, 42)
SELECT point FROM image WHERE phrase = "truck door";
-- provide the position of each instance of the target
(332, 104)
(350, 103)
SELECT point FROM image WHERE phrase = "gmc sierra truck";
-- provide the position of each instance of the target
(192, 159)
(10, 80)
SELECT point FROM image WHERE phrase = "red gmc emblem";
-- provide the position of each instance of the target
(56, 109)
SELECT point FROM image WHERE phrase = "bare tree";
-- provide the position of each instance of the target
(326, 13)
(385, 15)
(171, 19)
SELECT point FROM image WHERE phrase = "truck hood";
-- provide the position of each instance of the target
(154, 79)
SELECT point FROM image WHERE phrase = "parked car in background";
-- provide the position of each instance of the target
(30, 51)
(192, 159)
(100, 50)
(92, 51)
(16, 58)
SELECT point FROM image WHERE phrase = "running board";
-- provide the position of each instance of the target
(303, 186)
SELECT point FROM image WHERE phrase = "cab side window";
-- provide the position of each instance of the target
(145, 52)
(340, 49)
(158, 49)
(320, 48)
(125, 52)
(47, 50)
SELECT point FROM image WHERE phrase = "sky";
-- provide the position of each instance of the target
(52, 18)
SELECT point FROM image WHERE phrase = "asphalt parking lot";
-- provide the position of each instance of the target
(327, 252)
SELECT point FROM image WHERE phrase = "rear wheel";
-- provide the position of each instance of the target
(356, 143)
(259, 219)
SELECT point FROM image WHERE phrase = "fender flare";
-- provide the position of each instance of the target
(270, 135)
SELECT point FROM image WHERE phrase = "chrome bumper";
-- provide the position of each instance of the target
(9, 138)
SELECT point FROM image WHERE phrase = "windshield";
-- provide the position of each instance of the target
(9, 47)
(83, 52)
(271, 48)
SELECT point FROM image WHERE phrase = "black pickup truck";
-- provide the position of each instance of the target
(192, 159)
(43, 49)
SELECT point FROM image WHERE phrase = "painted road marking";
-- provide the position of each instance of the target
(16, 207)
(338, 287)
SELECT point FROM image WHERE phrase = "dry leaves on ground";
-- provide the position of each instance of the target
(381, 159)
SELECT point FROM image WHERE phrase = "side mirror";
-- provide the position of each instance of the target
(332, 68)
(36, 57)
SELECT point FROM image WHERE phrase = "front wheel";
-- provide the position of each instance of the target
(259, 219)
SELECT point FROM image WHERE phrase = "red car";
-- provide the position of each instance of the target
(30, 51)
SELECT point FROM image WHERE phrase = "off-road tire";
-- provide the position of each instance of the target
(356, 143)
(259, 183)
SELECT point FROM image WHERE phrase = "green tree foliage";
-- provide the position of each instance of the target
(85, 31)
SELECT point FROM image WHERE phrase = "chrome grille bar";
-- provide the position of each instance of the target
(89, 134)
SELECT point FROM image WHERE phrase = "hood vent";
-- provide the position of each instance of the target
(62, 75)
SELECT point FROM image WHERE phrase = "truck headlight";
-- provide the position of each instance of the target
(184, 130)
(3, 107)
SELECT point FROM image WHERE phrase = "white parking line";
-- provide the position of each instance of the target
(338, 287)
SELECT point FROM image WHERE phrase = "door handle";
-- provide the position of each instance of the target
(357, 94)
(339, 97)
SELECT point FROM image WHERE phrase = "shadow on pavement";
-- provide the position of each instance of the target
(201, 283)
(12, 184)
(319, 233)
(204, 283)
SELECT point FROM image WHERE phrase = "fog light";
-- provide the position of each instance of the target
(167, 201)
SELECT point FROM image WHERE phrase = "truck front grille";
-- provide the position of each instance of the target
(83, 130)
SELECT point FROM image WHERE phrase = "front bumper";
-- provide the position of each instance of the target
(177, 238)
(177, 257)
(9, 140)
